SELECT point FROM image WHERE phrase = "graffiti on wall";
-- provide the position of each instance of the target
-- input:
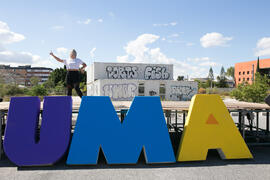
(120, 72)
(182, 93)
(156, 73)
(120, 91)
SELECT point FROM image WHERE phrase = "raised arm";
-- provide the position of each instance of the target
(55, 57)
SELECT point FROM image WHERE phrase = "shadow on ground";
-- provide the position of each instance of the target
(261, 155)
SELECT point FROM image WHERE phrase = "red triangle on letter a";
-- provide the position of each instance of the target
(211, 120)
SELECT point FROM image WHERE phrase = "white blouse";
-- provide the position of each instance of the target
(73, 63)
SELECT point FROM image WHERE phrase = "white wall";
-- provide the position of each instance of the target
(100, 70)
(119, 89)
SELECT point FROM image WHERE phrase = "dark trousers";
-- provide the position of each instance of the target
(73, 81)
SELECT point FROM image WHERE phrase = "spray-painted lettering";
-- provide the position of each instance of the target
(120, 91)
(120, 72)
(156, 73)
(182, 93)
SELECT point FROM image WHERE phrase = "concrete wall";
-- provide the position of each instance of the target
(119, 89)
(100, 70)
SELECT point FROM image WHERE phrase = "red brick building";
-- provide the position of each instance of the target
(21, 75)
(245, 71)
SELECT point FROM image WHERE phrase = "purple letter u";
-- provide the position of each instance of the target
(22, 143)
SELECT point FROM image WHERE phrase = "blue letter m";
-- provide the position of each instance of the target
(98, 126)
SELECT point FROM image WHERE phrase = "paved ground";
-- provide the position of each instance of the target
(212, 168)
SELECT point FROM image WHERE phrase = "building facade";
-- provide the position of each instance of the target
(22, 75)
(245, 71)
(124, 81)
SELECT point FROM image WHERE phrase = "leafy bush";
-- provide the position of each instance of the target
(212, 91)
(2, 90)
(7, 90)
(201, 91)
(38, 90)
(255, 92)
(83, 87)
(12, 90)
(59, 88)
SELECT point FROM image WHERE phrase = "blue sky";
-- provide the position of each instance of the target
(193, 35)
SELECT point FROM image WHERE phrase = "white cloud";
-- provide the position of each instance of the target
(100, 20)
(202, 59)
(3, 25)
(57, 27)
(87, 21)
(165, 24)
(172, 38)
(17, 57)
(92, 52)
(173, 23)
(137, 51)
(25, 58)
(208, 63)
(7, 36)
(13, 58)
(263, 47)
(214, 39)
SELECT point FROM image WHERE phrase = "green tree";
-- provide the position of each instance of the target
(258, 65)
(180, 78)
(59, 75)
(221, 79)
(59, 89)
(83, 77)
(56, 76)
(38, 90)
(34, 81)
(255, 92)
(211, 76)
(222, 73)
(230, 73)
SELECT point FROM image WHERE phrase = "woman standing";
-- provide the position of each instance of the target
(73, 66)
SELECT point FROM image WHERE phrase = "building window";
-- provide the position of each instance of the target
(239, 73)
(162, 91)
(247, 79)
(243, 79)
(141, 89)
(239, 79)
(247, 72)
(243, 72)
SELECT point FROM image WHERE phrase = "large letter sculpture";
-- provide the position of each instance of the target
(22, 144)
(210, 126)
(98, 127)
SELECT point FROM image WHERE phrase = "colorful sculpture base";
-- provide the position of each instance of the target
(210, 126)
(22, 144)
(98, 126)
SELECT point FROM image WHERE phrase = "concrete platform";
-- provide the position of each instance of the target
(167, 105)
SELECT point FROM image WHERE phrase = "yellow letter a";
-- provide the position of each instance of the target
(210, 126)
